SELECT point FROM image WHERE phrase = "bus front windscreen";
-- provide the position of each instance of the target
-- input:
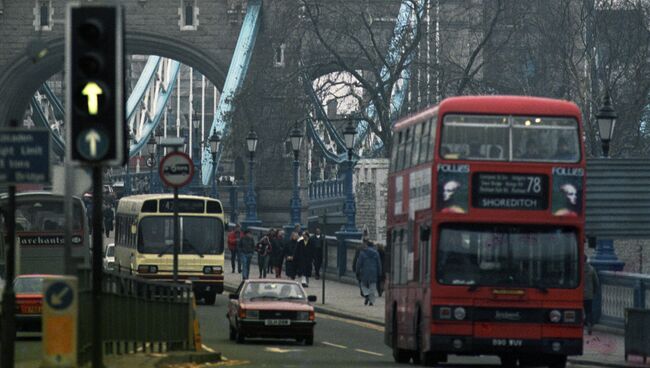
(498, 255)
(199, 235)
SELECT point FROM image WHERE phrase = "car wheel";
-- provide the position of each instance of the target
(309, 340)
(233, 334)
(239, 337)
(210, 298)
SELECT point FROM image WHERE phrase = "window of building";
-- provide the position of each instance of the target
(188, 12)
(278, 55)
(43, 15)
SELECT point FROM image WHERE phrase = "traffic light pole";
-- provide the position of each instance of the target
(97, 344)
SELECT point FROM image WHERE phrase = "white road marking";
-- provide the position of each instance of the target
(280, 350)
(206, 348)
(334, 345)
(369, 352)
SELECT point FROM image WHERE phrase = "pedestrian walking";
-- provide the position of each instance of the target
(356, 259)
(233, 241)
(304, 258)
(108, 219)
(289, 252)
(277, 253)
(369, 271)
(263, 249)
(318, 243)
(246, 250)
(592, 283)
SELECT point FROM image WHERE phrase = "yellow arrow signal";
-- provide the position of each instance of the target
(92, 90)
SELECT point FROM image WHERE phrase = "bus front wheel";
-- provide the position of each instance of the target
(210, 297)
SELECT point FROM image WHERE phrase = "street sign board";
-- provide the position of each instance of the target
(24, 156)
(60, 309)
(176, 169)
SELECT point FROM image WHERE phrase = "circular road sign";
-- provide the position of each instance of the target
(59, 295)
(176, 169)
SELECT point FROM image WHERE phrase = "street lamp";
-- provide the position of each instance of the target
(606, 118)
(251, 204)
(151, 148)
(296, 140)
(215, 140)
(127, 176)
(196, 151)
(349, 209)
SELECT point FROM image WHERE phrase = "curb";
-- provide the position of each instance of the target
(181, 358)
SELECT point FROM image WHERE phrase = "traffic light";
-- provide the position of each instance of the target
(94, 84)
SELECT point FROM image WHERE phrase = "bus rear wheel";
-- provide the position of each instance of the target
(210, 297)
(400, 355)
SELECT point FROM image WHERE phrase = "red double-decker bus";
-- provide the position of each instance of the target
(486, 231)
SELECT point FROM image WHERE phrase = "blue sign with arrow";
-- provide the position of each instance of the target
(59, 295)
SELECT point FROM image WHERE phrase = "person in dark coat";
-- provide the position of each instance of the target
(289, 252)
(355, 260)
(318, 243)
(277, 253)
(263, 249)
(108, 219)
(369, 270)
(303, 258)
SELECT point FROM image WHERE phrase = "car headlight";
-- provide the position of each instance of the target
(555, 316)
(110, 266)
(303, 316)
(459, 313)
(212, 269)
(253, 314)
(147, 269)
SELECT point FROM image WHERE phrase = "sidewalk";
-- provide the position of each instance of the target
(604, 348)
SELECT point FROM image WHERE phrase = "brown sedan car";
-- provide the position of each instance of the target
(271, 308)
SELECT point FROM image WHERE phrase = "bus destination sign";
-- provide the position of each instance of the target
(510, 191)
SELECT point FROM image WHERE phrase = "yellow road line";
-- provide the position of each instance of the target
(334, 345)
(369, 352)
(352, 322)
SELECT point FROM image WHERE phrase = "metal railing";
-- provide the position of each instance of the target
(326, 189)
(619, 291)
(137, 315)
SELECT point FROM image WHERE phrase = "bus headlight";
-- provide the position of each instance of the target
(555, 316)
(147, 269)
(459, 313)
(212, 269)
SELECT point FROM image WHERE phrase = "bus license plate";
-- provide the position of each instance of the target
(507, 342)
(277, 322)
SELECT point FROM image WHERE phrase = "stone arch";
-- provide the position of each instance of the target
(23, 77)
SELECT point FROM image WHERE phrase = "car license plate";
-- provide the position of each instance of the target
(507, 342)
(31, 309)
(277, 322)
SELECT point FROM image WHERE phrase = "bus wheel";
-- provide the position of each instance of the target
(210, 298)
(400, 355)
(508, 361)
(425, 358)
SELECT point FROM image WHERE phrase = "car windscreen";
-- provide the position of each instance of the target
(502, 255)
(198, 235)
(110, 252)
(272, 290)
(28, 285)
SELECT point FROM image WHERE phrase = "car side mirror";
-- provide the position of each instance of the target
(233, 296)
(311, 298)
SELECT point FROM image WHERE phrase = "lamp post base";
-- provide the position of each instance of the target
(605, 258)
(342, 249)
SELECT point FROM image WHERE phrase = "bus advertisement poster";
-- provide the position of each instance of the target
(453, 188)
(567, 189)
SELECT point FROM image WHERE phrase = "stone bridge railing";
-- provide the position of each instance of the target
(326, 189)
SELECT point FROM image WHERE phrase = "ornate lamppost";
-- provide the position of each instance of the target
(251, 204)
(215, 140)
(605, 258)
(296, 204)
(151, 148)
(349, 209)
(127, 175)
